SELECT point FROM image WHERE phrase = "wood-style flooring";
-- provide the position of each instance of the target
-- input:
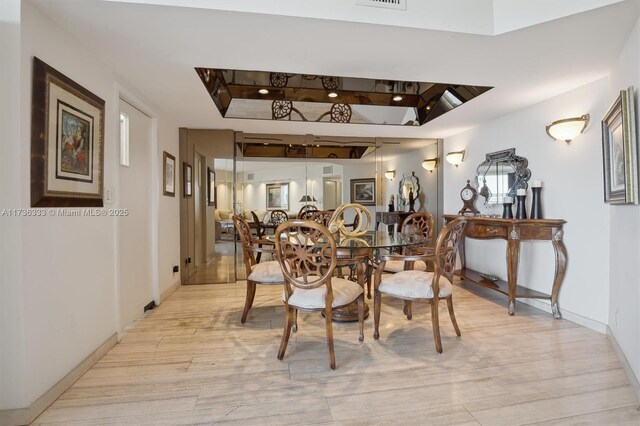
(190, 361)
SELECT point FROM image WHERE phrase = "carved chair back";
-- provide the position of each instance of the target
(259, 229)
(447, 248)
(246, 240)
(278, 217)
(322, 217)
(306, 211)
(306, 252)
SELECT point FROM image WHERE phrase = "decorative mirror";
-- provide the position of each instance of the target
(409, 182)
(502, 174)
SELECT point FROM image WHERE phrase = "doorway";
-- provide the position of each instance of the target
(331, 192)
(135, 277)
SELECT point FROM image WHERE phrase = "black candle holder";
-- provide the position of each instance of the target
(507, 210)
(521, 210)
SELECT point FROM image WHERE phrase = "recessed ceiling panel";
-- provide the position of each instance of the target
(266, 95)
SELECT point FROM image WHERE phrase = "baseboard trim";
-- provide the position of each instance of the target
(633, 380)
(569, 316)
(168, 292)
(22, 416)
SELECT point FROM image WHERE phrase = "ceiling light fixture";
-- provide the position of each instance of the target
(390, 174)
(397, 98)
(430, 164)
(455, 157)
(332, 95)
(568, 128)
(263, 91)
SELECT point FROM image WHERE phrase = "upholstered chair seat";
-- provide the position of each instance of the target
(398, 265)
(266, 273)
(344, 292)
(414, 284)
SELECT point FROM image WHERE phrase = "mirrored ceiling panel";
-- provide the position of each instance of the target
(266, 95)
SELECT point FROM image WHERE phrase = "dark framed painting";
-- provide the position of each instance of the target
(187, 179)
(277, 196)
(168, 174)
(67, 141)
(211, 187)
(363, 191)
(620, 151)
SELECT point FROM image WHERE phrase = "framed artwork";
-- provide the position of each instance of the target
(187, 179)
(363, 191)
(67, 141)
(277, 196)
(168, 174)
(620, 151)
(211, 187)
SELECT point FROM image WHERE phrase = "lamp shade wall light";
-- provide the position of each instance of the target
(568, 128)
(390, 174)
(430, 164)
(455, 157)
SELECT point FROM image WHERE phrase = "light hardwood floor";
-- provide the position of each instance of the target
(190, 361)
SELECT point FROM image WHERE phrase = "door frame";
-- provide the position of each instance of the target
(121, 93)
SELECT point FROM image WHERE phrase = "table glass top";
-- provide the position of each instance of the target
(378, 239)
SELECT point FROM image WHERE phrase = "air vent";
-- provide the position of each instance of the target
(327, 170)
(387, 4)
(251, 176)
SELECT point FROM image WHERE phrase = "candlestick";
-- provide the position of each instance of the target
(521, 191)
(536, 184)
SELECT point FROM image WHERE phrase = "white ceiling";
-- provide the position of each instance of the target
(153, 50)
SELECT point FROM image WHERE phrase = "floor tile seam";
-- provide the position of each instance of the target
(635, 406)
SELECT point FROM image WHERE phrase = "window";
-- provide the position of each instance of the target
(124, 139)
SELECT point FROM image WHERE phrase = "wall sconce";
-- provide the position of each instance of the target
(430, 164)
(390, 174)
(568, 129)
(455, 157)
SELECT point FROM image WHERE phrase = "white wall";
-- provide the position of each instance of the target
(572, 179)
(68, 263)
(13, 391)
(624, 289)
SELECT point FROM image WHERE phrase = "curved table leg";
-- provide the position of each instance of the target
(513, 257)
(561, 267)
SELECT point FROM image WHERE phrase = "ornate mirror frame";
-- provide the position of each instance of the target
(519, 164)
(408, 178)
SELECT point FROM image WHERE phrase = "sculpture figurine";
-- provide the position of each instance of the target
(411, 201)
(391, 203)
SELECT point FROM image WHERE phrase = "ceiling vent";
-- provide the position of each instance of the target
(387, 4)
(251, 176)
(327, 170)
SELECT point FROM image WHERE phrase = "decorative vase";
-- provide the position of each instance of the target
(507, 211)
(521, 210)
(536, 204)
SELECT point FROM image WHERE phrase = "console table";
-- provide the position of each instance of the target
(514, 231)
(391, 218)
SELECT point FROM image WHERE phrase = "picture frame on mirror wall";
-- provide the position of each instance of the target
(211, 187)
(277, 196)
(67, 141)
(168, 174)
(363, 191)
(620, 151)
(187, 179)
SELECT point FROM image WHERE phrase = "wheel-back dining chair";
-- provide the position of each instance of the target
(306, 211)
(306, 252)
(416, 223)
(323, 217)
(413, 285)
(258, 273)
(278, 217)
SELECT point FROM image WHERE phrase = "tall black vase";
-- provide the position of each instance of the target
(521, 212)
(536, 204)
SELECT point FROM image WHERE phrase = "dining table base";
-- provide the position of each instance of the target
(348, 313)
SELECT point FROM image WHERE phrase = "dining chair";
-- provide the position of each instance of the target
(416, 223)
(413, 285)
(258, 273)
(278, 217)
(306, 211)
(322, 217)
(306, 252)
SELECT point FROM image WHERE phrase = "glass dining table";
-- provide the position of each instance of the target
(353, 250)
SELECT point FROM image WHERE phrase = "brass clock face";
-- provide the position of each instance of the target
(466, 194)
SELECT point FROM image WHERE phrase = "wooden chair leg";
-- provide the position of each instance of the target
(287, 331)
(329, 325)
(436, 326)
(367, 269)
(377, 304)
(408, 309)
(452, 315)
(294, 327)
(251, 292)
(361, 316)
